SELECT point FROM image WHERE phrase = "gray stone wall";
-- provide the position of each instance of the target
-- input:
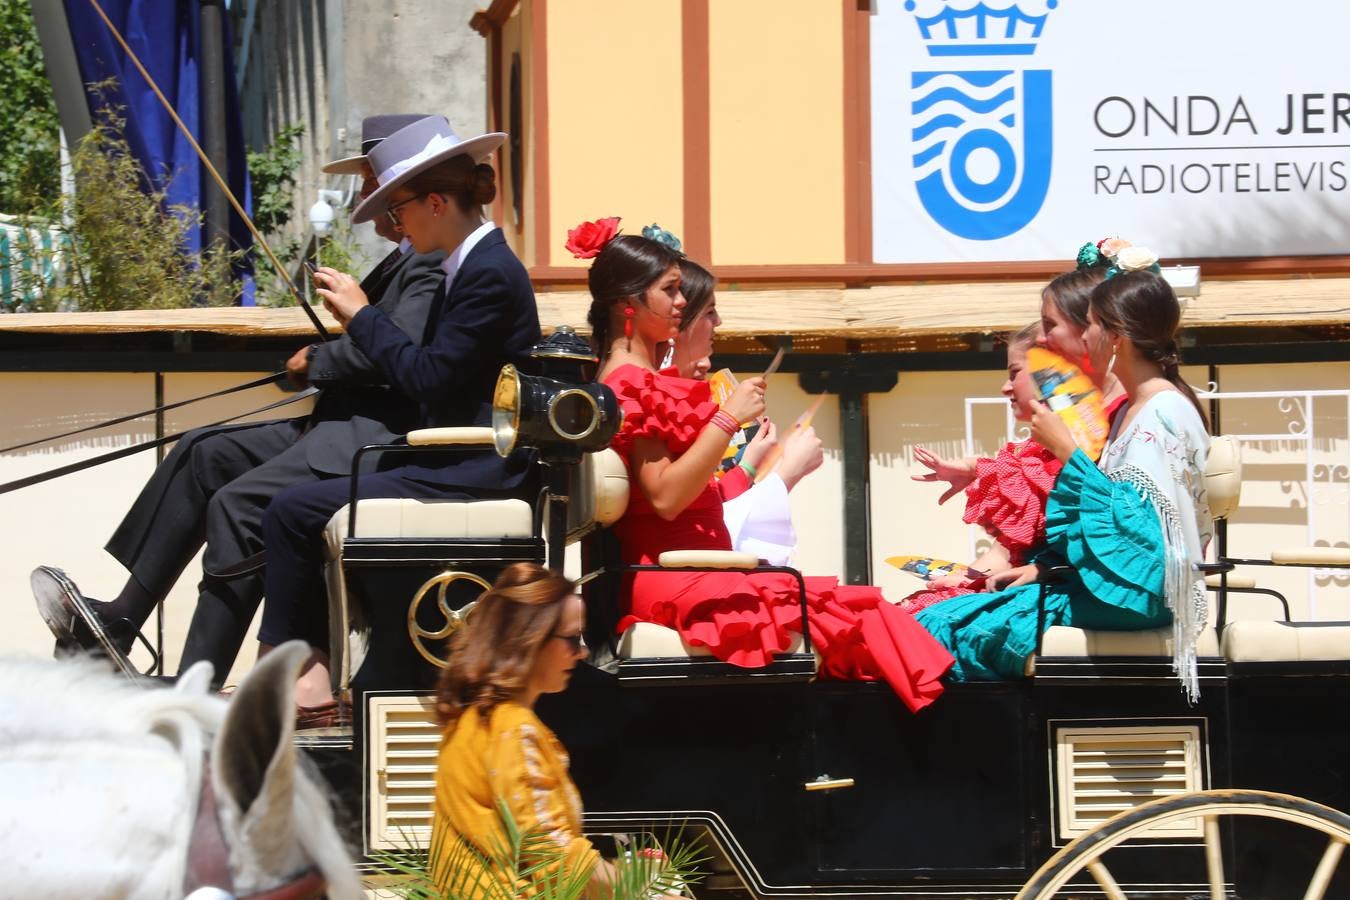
(330, 63)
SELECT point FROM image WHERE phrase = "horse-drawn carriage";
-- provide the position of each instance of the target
(1094, 769)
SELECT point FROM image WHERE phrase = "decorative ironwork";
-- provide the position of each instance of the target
(427, 642)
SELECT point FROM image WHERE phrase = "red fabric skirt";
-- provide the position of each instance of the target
(746, 619)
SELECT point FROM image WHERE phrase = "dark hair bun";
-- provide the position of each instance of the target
(483, 184)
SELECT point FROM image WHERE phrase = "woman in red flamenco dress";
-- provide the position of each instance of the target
(672, 440)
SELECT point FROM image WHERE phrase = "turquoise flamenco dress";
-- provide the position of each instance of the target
(1110, 533)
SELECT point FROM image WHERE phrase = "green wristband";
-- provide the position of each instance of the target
(749, 470)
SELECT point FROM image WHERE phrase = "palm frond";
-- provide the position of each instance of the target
(518, 862)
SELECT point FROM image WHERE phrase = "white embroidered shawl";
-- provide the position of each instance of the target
(1162, 454)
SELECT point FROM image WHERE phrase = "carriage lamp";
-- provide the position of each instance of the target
(561, 420)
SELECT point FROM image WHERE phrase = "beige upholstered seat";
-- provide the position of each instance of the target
(1223, 476)
(1061, 640)
(403, 518)
(1252, 641)
(599, 498)
(646, 639)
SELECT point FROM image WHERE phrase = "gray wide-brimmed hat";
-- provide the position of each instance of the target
(414, 149)
(373, 130)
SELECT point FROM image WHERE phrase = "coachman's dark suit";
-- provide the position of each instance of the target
(215, 483)
(481, 321)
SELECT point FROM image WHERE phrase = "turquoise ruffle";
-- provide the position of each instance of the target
(1112, 536)
(1109, 534)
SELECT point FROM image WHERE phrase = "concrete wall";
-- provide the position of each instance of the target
(330, 63)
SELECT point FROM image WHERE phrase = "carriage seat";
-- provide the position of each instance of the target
(1065, 641)
(395, 519)
(647, 653)
(1223, 486)
(1252, 641)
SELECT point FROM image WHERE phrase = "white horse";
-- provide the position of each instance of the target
(113, 790)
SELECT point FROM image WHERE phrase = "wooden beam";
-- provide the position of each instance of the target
(881, 311)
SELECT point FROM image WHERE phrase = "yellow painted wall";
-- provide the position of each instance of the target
(777, 131)
(615, 111)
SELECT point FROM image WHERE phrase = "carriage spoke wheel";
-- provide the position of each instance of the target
(1085, 853)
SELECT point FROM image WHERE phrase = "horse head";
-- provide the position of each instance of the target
(115, 790)
(273, 817)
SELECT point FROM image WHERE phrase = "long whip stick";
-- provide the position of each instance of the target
(215, 175)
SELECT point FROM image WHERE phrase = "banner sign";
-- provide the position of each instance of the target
(1019, 129)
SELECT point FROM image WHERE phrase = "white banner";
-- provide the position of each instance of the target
(1019, 130)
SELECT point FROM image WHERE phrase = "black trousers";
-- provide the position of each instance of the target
(213, 487)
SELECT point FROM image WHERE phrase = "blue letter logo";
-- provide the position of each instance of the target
(974, 175)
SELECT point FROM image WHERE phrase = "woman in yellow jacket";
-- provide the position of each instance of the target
(522, 639)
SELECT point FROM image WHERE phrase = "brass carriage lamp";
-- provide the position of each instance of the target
(561, 413)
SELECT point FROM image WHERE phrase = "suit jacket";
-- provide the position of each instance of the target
(485, 319)
(356, 406)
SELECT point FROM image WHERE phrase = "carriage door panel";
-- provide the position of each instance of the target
(943, 791)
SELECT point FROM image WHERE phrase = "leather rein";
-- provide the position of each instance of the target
(208, 862)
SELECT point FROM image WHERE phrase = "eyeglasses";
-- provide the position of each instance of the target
(575, 642)
(392, 211)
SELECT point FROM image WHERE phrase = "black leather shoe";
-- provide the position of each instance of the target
(78, 623)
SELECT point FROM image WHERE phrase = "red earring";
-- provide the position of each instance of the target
(628, 313)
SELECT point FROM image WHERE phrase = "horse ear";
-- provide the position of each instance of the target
(196, 680)
(253, 761)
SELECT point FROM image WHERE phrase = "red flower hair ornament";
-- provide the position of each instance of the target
(589, 238)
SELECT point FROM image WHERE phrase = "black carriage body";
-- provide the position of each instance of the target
(802, 787)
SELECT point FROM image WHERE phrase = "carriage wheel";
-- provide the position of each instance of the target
(1086, 851)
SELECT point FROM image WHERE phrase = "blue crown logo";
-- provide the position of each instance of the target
(980, 29)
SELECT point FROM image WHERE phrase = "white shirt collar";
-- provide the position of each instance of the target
(405, 246)
(452, 262)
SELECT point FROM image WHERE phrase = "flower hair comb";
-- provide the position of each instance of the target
(1117, 255)
(589, 238)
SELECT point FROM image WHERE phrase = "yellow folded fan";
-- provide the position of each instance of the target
(928, 568)
(723, 384)
(1065, 389)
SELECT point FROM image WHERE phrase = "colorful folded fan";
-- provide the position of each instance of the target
(1066, 390)
(723, 384)
(928, 568)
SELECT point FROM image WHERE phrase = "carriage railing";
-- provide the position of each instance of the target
(1325, 482)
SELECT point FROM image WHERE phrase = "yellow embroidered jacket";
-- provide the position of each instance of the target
(507, 756)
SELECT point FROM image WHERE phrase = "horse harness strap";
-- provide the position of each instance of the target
(208, 862)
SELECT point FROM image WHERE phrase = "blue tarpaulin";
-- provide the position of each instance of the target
(166, 36)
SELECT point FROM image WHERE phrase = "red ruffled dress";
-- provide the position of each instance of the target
(747, 619)
(1006, 499)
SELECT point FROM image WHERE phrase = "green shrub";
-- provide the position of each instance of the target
(117, 246)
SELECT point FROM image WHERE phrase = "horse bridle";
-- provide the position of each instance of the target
(208, 862)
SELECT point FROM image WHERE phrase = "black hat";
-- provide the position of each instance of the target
(373, 130)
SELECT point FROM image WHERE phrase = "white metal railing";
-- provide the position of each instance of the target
(1301, 431)
(30, 257)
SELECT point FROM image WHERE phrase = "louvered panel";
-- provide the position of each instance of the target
(1106, 770)
(404, 741)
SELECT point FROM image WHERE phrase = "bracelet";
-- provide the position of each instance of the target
(749, 470)
(725, 421)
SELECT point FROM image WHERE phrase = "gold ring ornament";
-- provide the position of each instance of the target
(454, 618)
